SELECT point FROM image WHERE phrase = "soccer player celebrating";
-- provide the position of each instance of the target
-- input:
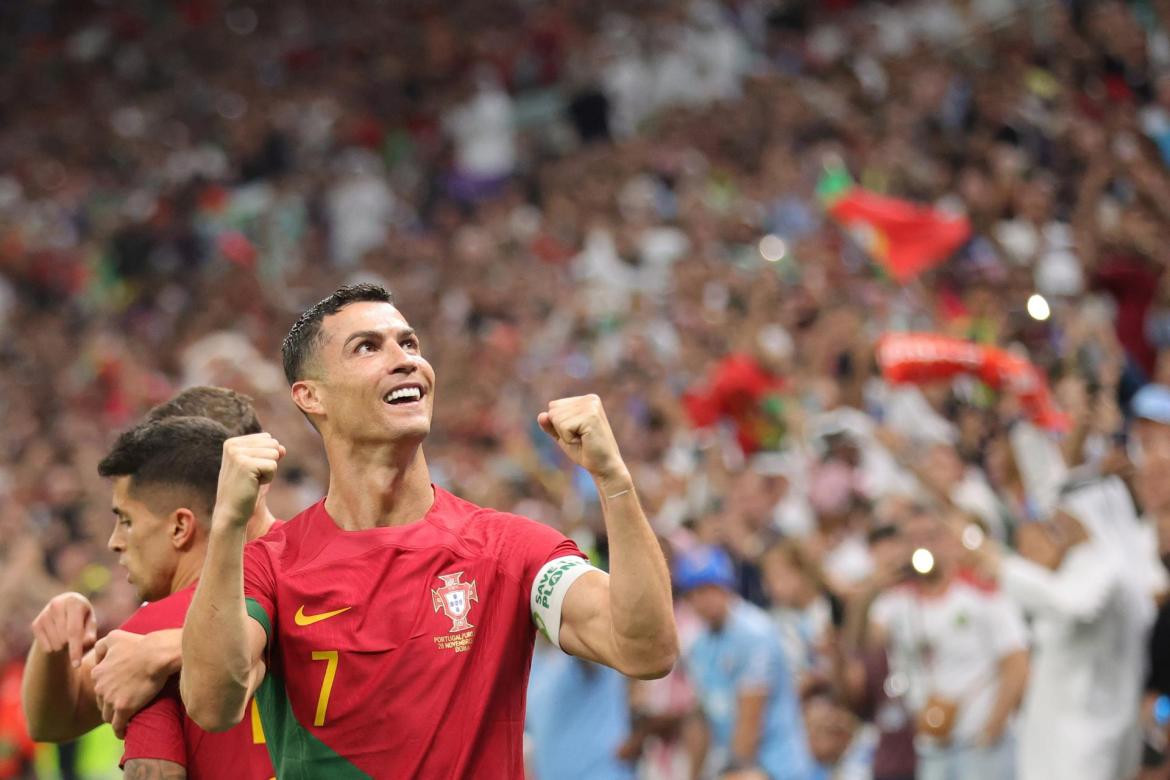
(388, 629)
(70, 683)
(165, 475)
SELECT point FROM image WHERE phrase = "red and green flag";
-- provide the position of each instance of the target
(905, 238)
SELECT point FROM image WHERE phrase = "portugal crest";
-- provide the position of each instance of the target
(455, 598)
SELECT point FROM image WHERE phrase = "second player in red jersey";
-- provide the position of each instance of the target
(72, 683)
(162, 731)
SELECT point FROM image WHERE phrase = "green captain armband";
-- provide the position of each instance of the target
(548, 593)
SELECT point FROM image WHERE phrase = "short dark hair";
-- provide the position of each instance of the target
(230, 409)
(178, 454)
(302, 338)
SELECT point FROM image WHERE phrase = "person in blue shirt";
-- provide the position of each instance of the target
(578, 717)
(737, 667)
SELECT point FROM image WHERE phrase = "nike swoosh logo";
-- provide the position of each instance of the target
(301, 619)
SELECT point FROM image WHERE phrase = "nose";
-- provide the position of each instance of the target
(115, 543)
(401, 361)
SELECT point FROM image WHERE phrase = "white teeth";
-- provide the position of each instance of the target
(412, 393)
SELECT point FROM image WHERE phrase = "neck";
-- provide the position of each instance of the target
(805, 598)
(936, 584)
(190, 565)
(377, 486)
(261, 521)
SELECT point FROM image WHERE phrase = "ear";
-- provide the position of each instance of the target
(306, 394)
(184, 528)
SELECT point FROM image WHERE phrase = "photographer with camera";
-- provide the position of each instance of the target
(957, 651)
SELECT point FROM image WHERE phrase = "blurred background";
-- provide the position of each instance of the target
(856, 281)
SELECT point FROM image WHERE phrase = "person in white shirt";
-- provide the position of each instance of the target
(483, 130)
(958, 656)
(1092, 610)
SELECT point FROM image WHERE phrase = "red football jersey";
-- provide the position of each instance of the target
(398, 652)
(163, 730)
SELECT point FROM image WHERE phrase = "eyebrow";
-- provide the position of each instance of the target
(374, 334)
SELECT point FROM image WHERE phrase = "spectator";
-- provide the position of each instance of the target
(842, 750)
(1092, 613)
(1151, 431)
(862, 669)
(738, 670)
(578, 718)
(482, 130)
(961, 651)
(800, 608)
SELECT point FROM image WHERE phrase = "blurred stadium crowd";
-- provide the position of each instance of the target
(620, 197)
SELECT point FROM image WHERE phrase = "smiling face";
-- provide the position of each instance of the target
(369, 380)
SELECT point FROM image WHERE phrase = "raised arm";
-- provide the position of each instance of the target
(1077, 590)
(223, 648)
(57, 690)
(624, 619)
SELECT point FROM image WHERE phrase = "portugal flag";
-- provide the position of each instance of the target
(905, 238)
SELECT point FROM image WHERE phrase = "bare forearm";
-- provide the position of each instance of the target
(697, 741)
(217, 662)
(1073, 447)
(1013, 676)
(639, 583)
(58, 700)
(855, 633)
(168, 651)
(749, 720)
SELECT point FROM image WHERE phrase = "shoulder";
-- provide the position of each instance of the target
(484, 524)
(451, 509)
(894, 598)
(284, 534)
(972, 585)
(751, 622)
(167, 612)
(968, 589)
(977, 597)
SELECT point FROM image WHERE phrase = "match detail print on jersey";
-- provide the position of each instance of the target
(548, 593)
(454, 599)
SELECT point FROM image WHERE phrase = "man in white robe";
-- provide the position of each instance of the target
(1091, 615)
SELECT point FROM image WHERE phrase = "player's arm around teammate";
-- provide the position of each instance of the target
(67, 690)
(223, 648)
(624, 619)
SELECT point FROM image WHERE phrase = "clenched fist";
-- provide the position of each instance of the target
(248, 462)
(66, 622)
(582, 430)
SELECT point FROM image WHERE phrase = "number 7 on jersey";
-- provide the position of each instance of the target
(330, 659)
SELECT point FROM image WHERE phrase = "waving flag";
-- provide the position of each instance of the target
(917, 358)
(905, 238)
